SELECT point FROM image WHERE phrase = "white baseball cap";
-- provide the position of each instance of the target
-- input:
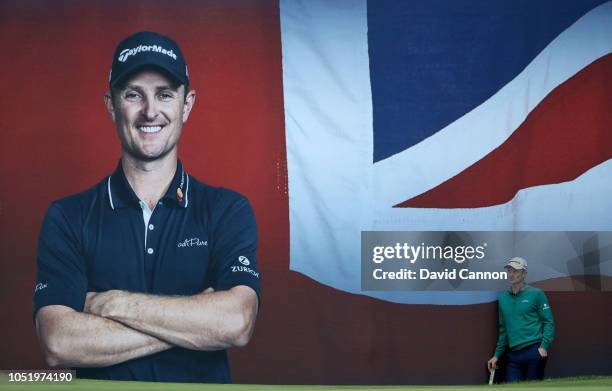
(517, 263)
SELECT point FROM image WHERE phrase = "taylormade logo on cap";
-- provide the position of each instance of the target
(148, 49)
(126, 53)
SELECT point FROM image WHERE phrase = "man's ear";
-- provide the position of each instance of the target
(189, 102)
(108, 101)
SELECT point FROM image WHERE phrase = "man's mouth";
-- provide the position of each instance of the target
(150, 128)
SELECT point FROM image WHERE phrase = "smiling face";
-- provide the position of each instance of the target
(149, 111)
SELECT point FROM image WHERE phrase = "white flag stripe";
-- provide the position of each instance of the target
(328, 124)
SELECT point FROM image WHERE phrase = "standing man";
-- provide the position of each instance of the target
(526, 326)
(149, 275)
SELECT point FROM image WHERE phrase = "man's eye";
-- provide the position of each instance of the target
(131, 96)
(166, 96)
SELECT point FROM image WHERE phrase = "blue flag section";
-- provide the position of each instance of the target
(431, 62)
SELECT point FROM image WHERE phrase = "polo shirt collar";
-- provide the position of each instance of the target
(121, 195)
(178, 191)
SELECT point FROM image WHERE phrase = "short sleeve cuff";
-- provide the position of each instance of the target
(76, 302)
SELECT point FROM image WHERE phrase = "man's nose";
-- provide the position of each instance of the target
(150, 110)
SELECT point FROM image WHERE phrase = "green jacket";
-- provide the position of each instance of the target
(524, 319)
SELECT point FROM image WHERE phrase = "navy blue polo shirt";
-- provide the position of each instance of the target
(197, 237)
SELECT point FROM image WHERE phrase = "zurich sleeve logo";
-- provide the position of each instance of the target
(244, 269)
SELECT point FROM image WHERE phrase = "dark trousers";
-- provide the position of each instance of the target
(525, 364)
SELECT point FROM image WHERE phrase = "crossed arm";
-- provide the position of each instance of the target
(117, 326)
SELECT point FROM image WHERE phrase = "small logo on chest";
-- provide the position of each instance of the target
(192, 242)
(525, 301)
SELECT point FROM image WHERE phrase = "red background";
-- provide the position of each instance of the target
(56, 139)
